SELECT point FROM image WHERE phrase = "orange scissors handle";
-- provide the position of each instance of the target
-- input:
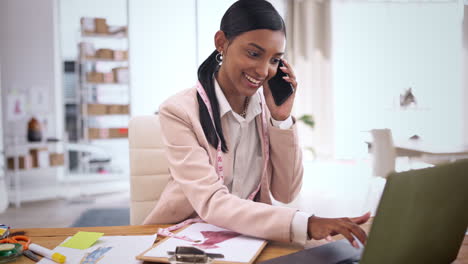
(8, 240)
(23, 240)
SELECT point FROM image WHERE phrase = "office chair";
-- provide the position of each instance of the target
(149, 168)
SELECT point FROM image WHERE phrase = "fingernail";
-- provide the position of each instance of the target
(329, 238)
(355, 244)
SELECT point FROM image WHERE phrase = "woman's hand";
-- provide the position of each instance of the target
(320, 228)
(283, 111)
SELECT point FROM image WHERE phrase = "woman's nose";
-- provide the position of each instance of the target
(263, 70)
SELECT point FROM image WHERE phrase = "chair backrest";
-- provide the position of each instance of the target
(149, 169)
(383, 152)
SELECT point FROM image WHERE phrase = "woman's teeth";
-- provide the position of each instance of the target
(252, 80)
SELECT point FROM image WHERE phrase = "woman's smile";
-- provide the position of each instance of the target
(251, 81)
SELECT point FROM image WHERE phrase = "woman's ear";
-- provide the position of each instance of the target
(220, 41)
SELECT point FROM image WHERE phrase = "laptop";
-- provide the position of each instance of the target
(422, 218)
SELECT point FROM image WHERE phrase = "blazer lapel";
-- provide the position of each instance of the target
(258, 120)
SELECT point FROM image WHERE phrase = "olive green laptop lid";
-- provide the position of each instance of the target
(422, 217)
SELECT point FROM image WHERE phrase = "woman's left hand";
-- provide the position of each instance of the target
(283, 111)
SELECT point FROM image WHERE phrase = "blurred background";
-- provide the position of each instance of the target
(383, 87)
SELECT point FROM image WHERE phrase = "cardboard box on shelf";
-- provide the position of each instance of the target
(109, 77)
(120, 55)
(125, 109)
(95, 133)
(97, 109)
(95, 77)
(121, 74)
(107, 54)
(88, 25)
(104, 133)
(118, 132)
(24, 162)
(39, 157)
(87, 50)
(108, 109)
(117, 109)
(56, 159)
(101, 25)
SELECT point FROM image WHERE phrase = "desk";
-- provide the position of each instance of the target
(419, 147)
(51, 237)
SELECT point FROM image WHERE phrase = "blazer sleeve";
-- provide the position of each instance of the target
(286, 163)
(190, 167)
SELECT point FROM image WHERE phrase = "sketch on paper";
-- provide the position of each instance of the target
(212, 238)
(234, 246)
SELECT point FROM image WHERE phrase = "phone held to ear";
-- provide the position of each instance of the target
(279, 87)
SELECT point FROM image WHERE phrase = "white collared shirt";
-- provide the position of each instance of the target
(244, 142)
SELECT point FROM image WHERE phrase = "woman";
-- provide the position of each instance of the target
(229, 145)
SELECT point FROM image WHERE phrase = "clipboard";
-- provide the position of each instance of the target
(254, 255)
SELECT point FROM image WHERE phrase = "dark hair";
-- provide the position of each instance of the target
(242, 16)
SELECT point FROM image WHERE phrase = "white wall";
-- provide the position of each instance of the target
(379, 49)
(30, 60)
(162, 51)
(209, 14)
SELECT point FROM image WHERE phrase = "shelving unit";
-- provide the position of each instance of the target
(21, 168)
(101, 107)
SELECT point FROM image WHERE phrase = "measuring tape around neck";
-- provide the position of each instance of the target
(219, 163)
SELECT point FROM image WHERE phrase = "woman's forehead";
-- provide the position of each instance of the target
(273, 41)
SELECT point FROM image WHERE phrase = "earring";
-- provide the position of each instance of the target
(219, 58)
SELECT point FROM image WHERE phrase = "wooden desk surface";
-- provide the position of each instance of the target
(420, 147)
(51, 237)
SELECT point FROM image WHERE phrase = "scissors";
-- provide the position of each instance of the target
(25, 241)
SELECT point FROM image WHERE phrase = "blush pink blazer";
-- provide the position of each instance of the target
(195, 189)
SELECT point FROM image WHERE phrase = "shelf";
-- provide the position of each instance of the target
(104, 83)
(107, 133)
(105, 36)
(107, 109)
(103, 60)
(33, 144)
(94, 177)
(22, 171)
(33, 194)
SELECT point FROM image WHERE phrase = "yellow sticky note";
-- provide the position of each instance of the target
(82, 240)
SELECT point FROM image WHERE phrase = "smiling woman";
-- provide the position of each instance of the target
(225, 161)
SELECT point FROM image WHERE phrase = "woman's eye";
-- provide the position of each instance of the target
(275, 60)
(253, 53)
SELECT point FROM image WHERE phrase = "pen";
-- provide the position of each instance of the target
(55, 256)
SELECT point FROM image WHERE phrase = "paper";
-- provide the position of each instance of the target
(109, 249)
(213, 239)
(82, 240)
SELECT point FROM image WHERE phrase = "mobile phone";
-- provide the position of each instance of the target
(279, 87)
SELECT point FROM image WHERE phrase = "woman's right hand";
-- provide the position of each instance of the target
(320, 228)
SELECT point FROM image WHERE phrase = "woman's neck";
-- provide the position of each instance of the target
(236, 101)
